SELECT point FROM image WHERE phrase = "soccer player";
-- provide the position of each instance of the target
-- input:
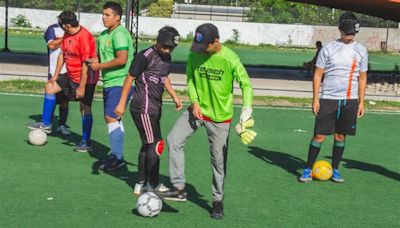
(53, 37)
(211, 70)
(344, 62)
(116, 55)
(77, 46)
(150, 70)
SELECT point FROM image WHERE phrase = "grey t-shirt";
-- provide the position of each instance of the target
(342, 64)
(151, 69)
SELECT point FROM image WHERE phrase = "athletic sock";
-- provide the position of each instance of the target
(116, 137)
(63, 115)
(337, 153)
(48, 108)
(313, 152)
(87, 122)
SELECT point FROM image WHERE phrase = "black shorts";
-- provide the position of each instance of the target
(69, 90)
(336, 116)
(148, 126)
(60, 97)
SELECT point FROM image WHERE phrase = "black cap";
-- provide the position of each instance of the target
(204, 35)
(349, 24)
(168, 36)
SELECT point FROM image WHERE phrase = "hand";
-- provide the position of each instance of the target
(120, 109)
(93, 64)
(315, 107)
(361, 110)
(80, 92)
(52, 80)
(197, 111)
(178, 103)
(246, 135)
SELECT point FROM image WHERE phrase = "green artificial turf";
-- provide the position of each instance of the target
(52, 186)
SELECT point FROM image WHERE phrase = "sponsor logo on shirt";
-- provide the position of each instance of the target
(210, 73)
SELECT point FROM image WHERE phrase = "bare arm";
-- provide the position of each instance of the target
(172, 93)
(120, 109)
(54, 44)
(319, 72)
(362, 86)
(60, 63)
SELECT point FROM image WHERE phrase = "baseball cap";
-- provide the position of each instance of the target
(204, 35)
(349, 24)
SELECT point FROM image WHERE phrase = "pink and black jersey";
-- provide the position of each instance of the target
(151, 69)
(78, 48)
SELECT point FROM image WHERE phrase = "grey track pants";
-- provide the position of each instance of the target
(218, 134)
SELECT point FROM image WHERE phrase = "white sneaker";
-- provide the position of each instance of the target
(62, 129)
(162, 188)
(138, 189)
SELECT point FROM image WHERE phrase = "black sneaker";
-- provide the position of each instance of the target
(217, 210)
(174, 194)
(112, 163)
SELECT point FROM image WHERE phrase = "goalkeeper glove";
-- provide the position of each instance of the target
(246, 135)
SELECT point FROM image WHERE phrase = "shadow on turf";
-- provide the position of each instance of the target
(353, 164)
(100, 153)
(285, 161)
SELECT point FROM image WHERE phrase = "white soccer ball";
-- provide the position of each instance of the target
(149, 204)
(37, 137)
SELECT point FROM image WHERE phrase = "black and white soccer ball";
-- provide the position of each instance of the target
(149, 204)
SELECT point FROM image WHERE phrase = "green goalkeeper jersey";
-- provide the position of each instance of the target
(210, 81)
(109, 44)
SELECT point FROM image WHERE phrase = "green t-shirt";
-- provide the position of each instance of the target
(109, 44)
(210, 81)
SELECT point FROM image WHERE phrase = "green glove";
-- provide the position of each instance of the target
(246, 135)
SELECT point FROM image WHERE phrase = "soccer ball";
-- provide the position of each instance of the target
(149, 204)
(322, 170)
(37, 137)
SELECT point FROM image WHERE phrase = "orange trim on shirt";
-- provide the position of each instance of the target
(206, 118)
(353, 68)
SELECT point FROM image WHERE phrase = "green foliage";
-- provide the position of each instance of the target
(20, 21)
(281, 11)
(163, 8)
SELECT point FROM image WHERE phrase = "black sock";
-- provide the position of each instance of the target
(337, 153)
(63, 115)
(313, 152)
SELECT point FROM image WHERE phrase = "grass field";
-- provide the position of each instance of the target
(250, 55)
(52, 186)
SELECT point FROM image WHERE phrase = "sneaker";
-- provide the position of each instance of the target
(163, 188)
(139, 189)
(217, 210)
(336, 177)
(82, 147)
(112, 163)
(62, 129)
(41, 126)
(306, 177)
(174, 195)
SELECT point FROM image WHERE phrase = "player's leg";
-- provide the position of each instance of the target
(324, 125)
(184, 127)
(116, 132)
(48, 106)
(85, 144)
(345, 125)
(218, 134)
(62, 101)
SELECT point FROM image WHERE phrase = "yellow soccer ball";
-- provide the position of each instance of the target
(322, 170)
